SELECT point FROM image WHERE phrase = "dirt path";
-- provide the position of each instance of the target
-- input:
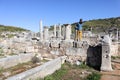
(112, 75)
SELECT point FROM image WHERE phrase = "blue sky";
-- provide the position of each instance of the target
(28, 13)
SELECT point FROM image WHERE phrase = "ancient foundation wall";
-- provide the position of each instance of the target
(76, 52)
(114, 49)
(10, 61)
(40, 71)
(119, 49)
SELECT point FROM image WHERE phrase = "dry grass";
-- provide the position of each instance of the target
(21, 67)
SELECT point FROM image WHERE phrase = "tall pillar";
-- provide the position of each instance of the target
(63, 32)
(68, 32)
(106, 54)
(41, 31)
(59, 30)
(45, 33)
(117, 35)
(91, 29)
(54, 30)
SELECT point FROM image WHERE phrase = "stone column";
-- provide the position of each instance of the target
(117, 35)
(63, 32)
(45, 33)
(106, 54)
(91, 29)
(54, 30)
(59, 30)
(41, 31)
(68, 32)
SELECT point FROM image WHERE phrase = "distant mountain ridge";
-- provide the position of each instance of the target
(11, 28)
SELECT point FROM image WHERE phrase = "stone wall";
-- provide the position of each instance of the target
(119, 49)
(10, 61)
(114, 49)
(76, 51)
(79, 49)
(40, 71)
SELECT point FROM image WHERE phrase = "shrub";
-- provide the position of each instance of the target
(1, 54)
(113, 57)
(94, 76)
(83, 66)
(1, 69)
(13, 54)
(35, 59)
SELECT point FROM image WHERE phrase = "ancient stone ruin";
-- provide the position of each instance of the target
(57, 46)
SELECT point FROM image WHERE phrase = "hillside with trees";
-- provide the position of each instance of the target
(101, 25)
(11, 28)
(98, 25)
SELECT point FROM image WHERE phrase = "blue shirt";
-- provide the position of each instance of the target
(78, 26)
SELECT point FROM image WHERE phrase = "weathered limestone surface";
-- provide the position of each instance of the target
(87, 34)
(41, 31)
(106, 54)
(68, 32)
(40, 71)
(66, 44)
(54, 30)
(55, 44)
(16, 46)
(55, 52)
(15, 59)
(76, 52)
(30, 49)
(63, 32)
(59, 33)
(119, 49)
(45, 33)
(114, 49)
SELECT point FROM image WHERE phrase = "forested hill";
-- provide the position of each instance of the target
(11, 28)
(100, 25)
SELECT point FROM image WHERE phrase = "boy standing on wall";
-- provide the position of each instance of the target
(78, 29)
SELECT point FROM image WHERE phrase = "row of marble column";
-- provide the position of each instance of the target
(44, 33)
